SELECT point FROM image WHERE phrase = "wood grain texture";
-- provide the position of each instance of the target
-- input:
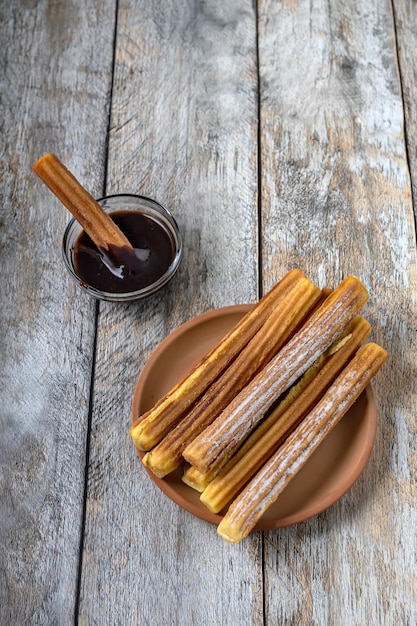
(183, 131)
(53, 82)
(405, 16)
(336, 199)
(176, 118)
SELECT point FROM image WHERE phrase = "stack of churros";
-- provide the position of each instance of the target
(248, 416)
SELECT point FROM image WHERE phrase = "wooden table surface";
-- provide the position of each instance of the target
(280, 134)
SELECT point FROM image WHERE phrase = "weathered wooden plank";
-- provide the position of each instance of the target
(184, 122)
(55, 86)
(406, 30)
(336, 199)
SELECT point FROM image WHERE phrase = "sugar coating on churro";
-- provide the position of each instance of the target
(267, 437)
(270, 481)
(283, 320)
(151, 427)
(214, 446)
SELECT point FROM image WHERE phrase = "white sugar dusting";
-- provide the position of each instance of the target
(270, 481)
(251, 404)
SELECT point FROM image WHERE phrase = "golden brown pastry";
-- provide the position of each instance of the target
(149, 428)
(270, 434)
(219, 441)
(283, 320)
(274, 476)
(95, 221)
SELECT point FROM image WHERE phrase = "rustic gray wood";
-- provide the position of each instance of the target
(183, 131)
(56, 79)
(336, 199)
(405, 17)
(326, 185)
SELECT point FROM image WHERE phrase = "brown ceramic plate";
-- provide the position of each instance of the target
(326, 476)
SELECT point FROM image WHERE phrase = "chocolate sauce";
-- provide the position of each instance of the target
(124, 273)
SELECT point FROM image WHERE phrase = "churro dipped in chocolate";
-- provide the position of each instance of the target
(149, 428)
(270, 434)
(87, 211)
(274, 476)
(219, 441)
(276, 330)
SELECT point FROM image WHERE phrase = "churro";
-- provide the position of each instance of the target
(281, 324)
(269, 435)
(149, 428)
(219, 441)
(269, 482)
(199, 480)
(195, 479)
(87, 211)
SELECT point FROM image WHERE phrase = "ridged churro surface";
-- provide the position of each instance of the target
(218, 442)
(270, 481)
(151, 427)
(267, 437)
(94, 220)
(276, 330)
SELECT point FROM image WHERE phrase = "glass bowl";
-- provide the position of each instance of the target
(153, 218)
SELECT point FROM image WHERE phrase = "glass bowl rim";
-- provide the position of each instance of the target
(156, 209)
